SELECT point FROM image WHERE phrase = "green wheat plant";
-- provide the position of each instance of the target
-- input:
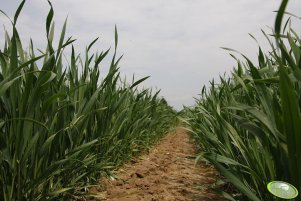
(61, 127)
(249, 125)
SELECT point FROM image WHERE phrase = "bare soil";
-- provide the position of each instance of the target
(167, 173)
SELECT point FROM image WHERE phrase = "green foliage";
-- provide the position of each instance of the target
(61, 129)
(249, 125)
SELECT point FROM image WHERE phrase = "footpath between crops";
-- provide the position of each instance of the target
(168, 172)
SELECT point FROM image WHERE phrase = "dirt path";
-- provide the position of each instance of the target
(167, 173)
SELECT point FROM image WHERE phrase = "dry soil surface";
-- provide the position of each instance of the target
(168, 172)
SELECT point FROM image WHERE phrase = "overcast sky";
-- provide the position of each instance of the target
(176, 42)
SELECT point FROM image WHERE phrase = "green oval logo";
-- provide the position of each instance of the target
(282, 189)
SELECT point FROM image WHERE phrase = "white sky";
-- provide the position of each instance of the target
(176, 42)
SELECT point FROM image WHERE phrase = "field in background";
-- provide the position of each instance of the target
(62, 127)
